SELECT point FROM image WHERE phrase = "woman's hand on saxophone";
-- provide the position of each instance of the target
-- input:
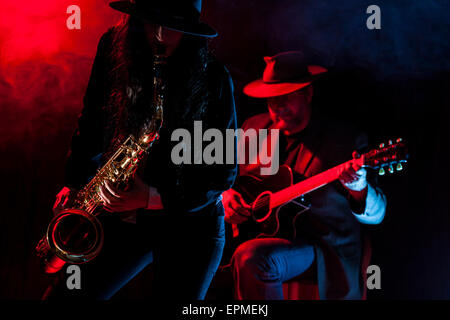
(139, 196)
(64, 200)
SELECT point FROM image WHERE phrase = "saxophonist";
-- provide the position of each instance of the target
(171, 215)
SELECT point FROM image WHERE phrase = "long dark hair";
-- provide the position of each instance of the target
(130, 74)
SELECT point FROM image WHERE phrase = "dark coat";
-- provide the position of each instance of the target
(330, 225)
(183, 188)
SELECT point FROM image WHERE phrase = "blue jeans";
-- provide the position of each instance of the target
(185, 252)
(260, 266)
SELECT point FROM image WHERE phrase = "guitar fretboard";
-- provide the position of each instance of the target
(306, 186)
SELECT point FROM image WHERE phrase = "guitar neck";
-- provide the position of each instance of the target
(306, 186)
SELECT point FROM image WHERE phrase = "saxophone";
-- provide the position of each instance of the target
(75, 235)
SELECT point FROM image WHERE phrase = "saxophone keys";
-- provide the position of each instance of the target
(125, 163)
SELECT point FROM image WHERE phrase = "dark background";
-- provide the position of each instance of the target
(391, 82)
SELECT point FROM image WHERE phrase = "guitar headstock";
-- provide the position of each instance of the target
(388, 156)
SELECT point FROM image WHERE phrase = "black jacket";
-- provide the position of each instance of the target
(183, 188)
(331, 225)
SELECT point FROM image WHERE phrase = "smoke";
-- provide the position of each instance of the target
(44, 66)
(44, 70)
(37, 29)
(413, 39)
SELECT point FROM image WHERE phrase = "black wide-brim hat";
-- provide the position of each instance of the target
(178, 15)
(284, 73)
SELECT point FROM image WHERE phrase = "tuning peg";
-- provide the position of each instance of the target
(391, 169)
(399, 167)
(381, 172)
(399, 140)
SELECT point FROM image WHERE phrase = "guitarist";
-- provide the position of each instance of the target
(330, 237)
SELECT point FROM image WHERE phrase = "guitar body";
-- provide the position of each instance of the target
(278, 222)
(277, 202)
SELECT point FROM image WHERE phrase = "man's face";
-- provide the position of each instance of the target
(291, 112)
(158, 35)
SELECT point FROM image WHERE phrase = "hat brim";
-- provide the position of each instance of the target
(194, 28)
(261, 89)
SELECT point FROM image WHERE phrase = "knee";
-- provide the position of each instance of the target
(255, 261)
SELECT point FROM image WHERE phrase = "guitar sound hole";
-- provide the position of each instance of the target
(261, 207)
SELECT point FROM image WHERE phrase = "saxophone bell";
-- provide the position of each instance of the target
(76, 235)
(73, 236)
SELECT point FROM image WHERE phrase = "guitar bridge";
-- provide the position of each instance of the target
(303, 203)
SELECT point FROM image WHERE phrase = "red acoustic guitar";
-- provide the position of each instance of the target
(276, 202)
